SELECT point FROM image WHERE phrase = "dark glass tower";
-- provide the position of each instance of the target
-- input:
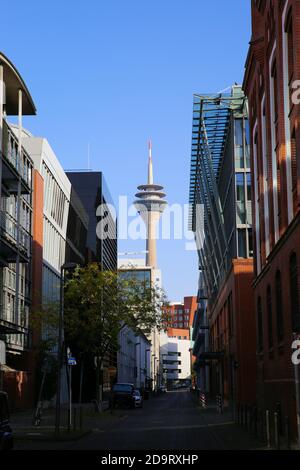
(102, 225)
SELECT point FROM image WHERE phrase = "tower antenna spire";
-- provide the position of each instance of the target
(150, 164)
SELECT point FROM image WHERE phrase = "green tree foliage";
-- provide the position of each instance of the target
(98, 303)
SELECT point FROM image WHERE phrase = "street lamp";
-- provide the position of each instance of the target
(64, 267)
(136, 362)
(164, 374)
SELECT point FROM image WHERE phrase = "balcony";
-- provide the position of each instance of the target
(9, 239)
(15, 165)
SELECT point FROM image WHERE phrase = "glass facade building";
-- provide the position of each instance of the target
(102, 225)
(220, 185)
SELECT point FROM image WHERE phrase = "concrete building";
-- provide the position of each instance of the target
(221, 218)
(134, 358)
(137, 269)
(176, 361)
(51, 214)
(16, 182)
(273, 65)
(59, 235)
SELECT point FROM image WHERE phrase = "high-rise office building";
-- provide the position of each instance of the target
(16, 182)
(221, 217)
(93, 192)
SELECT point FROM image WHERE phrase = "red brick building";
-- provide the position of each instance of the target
(232, 332)
(179, 317)
(273, 66)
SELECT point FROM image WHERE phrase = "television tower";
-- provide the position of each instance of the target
(150, 204)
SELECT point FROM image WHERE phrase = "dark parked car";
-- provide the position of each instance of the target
(123, 394)
(6, 437)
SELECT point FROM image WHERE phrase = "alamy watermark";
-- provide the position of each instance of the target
(296, 353)
(172, 223)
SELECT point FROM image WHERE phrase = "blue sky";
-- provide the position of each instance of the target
(114, 73)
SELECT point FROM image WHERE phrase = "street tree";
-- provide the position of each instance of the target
(99, 303)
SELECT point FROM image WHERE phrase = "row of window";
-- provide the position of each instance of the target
(278, 308)
(180, 325)
(55, 201)
(277, 178)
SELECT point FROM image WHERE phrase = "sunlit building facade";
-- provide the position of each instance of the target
(272, 67)
(221, 218)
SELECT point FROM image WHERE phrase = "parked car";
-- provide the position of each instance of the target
(138, 399)
(162, 389)
(123, 394)
(6, 436)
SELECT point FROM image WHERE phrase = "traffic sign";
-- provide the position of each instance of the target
(72, 361)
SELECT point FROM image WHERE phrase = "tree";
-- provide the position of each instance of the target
(99, 303)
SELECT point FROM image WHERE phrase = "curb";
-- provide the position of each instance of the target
(36, 436)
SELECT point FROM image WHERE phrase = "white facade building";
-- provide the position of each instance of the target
(137, 268)
(133, 358)
(57, 191)
(176, 360)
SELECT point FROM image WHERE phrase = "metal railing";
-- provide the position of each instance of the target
(20, 162)
(10, 229)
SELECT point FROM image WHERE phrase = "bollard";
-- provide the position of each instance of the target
(276, 431)
(74, 419)
(279, 417)
(268, 429)
(69, 427)
(255, 421)
(287, 432)
(203, 400)
(219, 404)
(242, 415)
(80, 417)
(246, 416)
(261, 422)
(238, 414)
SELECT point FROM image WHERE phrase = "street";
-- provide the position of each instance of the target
(169, 422)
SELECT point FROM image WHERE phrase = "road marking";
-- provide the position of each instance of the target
(162, 428)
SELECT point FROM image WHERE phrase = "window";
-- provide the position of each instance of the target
(247, 143)
(275, 94)
(242, 249)
(250, 238)
(239, 143)
(238, 128)
(279, 311)
(260, 335)
(290, 46)
(294, 292)
(270, 317)
(241, 198)
(230, 314)
(249, 194)
(294, 160)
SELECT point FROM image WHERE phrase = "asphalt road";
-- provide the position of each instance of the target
(168, 422)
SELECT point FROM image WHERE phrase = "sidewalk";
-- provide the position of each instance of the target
(23, 427)
(231, 433)
(226, 432)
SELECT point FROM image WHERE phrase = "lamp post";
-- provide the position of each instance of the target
(164, 374)
(64, 267)
(136, 364)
